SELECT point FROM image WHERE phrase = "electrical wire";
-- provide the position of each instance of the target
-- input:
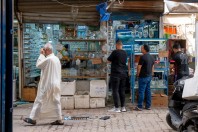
(73, 5)
(82, 5)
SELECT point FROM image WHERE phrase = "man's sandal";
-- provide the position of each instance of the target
(57, 122)
(30, 121)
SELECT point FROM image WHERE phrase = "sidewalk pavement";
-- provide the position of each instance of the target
(131, 121)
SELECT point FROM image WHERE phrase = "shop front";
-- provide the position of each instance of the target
(83, 43)
(179, 22)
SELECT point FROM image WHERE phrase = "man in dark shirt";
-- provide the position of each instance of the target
(118, 60)
(145, 70)
(181, 62)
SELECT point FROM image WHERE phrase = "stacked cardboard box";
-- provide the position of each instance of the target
(159, 100)
(29, 93)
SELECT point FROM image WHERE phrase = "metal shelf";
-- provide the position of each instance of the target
(152, 53)
(154, 39)
(133, 71)
(83, 77)
(153, 88)
(91, 40)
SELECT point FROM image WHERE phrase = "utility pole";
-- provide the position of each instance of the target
(6, 44)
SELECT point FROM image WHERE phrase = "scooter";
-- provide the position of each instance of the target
(183, 114)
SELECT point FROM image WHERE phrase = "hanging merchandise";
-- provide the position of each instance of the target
(78, 62)
(105, 17)
(102, 9)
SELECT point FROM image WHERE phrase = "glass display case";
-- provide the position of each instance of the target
(35, 36)
(82, 52)
(83, 58)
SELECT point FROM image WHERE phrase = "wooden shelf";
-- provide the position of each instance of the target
(88, 51)
(74, 59)
(79, 59)
(91, 40)
(82, 77)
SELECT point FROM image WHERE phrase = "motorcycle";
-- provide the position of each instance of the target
(183, 114)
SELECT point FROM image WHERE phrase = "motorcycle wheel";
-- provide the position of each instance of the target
(168, 120)
(190, 128)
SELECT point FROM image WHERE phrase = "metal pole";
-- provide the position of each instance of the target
(3, 62)
(20, 53)
(6, 65)
(196, 43)
(2, 109)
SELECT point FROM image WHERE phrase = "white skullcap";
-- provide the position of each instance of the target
(48, 46)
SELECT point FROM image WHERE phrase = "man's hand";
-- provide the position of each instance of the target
(42, 51)
(129, 73)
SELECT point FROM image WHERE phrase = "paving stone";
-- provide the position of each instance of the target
(131, 121)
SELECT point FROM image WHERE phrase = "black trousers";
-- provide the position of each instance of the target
(118, 89)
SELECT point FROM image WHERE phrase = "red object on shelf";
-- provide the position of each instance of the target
(170, 30)
(172, 61)
(157, 61)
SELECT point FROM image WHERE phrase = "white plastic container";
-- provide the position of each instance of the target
(67, 102)
(98, 88)
(68, 88)
(97, 102)
(190, 91)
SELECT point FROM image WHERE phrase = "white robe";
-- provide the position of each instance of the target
(47, 103)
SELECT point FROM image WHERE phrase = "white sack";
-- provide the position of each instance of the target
(190, 91)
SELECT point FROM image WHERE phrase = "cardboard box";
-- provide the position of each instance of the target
(98, 88)
(159, 100)
(68, 88)
(96, 61)
(163, 53)
(81, 100)
(67, 102)
(97, 102)
(29, 93)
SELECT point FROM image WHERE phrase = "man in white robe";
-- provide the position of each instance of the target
(47, 103)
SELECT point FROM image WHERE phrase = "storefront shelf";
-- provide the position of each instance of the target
(81, 77)
(155, 88)
(157, 40)
(162, 68)
(152, 53)
(82, 39)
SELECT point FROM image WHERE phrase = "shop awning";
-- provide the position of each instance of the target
(181, 7)
(178, 19)
(59, 11)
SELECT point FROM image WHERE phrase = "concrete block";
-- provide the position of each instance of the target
(68, 88)
(98, 88)
(81, 100)
(97, 102)
(82, 85)
(67, 102)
